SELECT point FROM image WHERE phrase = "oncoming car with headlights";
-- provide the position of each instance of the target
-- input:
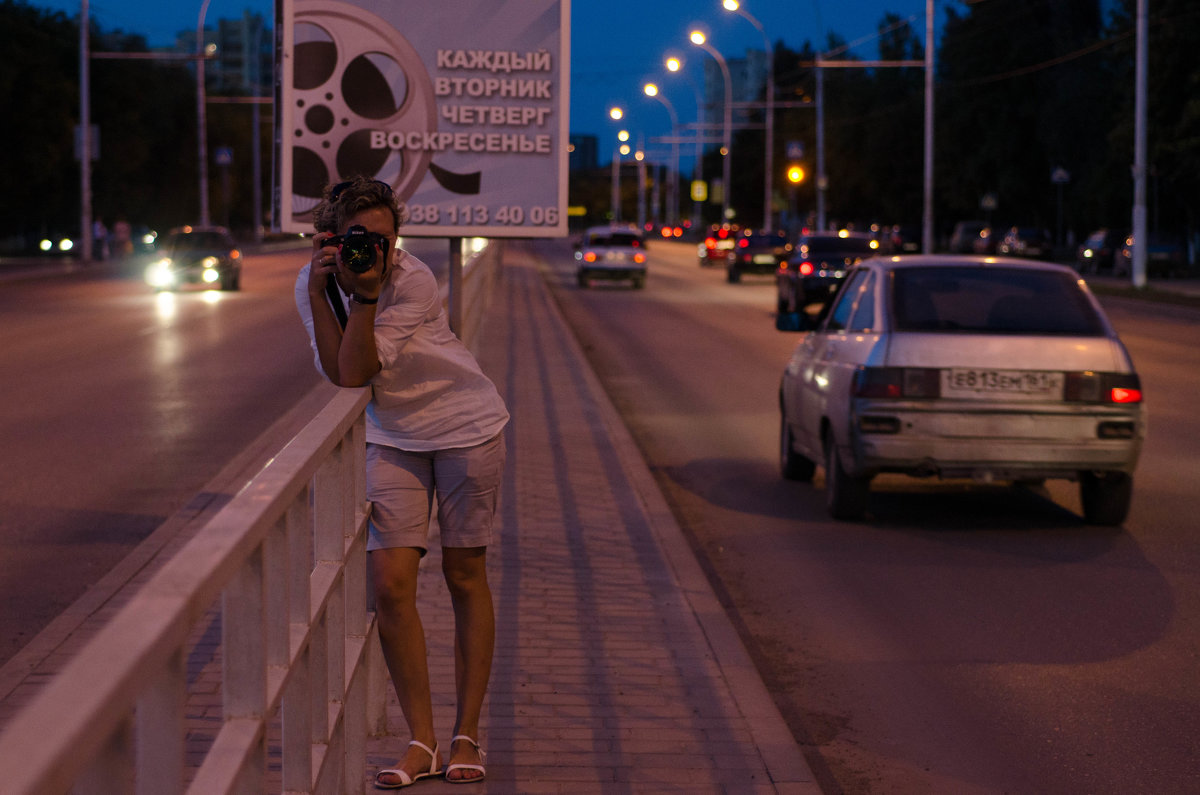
(196, 255)
(962, 367)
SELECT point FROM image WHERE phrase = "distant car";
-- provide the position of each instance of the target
(987, 241)
(963, 367)
(204, 255)
(904, 239)
(1165, 256)
(1098, 253)
(756, 252)
(818, 263)
(962, 239)
(1026, 241)
(611, 253)
(717, 244)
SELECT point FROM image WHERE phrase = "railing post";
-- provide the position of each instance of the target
(160, 734)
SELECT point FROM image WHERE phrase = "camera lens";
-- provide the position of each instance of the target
(358, 249)
(358, 255)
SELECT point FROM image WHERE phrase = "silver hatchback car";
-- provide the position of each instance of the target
(613, 253)
(962, 366)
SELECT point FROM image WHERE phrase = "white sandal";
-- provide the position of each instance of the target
(405, 779)
(482, 759)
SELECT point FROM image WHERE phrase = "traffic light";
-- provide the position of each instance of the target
(795, 173)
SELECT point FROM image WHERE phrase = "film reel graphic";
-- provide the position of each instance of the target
(354, 73)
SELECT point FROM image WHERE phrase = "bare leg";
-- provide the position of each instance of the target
(403, 639)
(474, 640)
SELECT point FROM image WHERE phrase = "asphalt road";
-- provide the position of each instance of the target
(966, 638)
(120, 406)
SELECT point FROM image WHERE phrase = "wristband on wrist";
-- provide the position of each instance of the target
(358, 299)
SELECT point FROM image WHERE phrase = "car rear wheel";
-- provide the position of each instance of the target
(639, 282)
(734, 274)
(845, 494)
(582, 280)
(1105, 496)
(792, 465)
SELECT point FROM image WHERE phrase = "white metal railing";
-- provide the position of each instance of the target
(287, 559)
(302, 674)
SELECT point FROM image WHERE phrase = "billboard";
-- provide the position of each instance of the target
(460, 105)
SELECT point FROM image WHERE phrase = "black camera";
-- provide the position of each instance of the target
(357, 247)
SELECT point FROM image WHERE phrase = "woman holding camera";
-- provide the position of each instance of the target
(433, 429)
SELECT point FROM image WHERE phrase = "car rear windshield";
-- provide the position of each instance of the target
(619, 239)
(197, 241)
(995, 300)
(767, 238)
(819, 246)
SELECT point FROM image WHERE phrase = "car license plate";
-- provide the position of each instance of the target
(763, 259)
(961, 382)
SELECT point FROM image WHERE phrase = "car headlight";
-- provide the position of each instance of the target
(158, 274)
(210, 262)
(210, 275)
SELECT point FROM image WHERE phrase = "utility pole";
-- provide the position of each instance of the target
(85, 135)
(1139, 148)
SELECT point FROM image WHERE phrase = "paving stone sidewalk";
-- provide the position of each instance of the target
(616, 670)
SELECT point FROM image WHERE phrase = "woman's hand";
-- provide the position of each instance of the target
(324, 264)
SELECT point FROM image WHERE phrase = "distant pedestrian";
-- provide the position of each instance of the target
(122, 238)
(99, 240)
(434, 430)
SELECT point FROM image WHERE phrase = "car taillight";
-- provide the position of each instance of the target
(639, 257)
(1093, 387)
(806, 269)
(743, 243)
(235, 254)
(896, 382)
(710, 242)
(589, 256)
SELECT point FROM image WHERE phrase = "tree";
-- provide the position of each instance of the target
(1173, 112)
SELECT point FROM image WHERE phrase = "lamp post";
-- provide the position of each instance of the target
(768, 156)
(640, 156)
(201, 118)
(616, 114)
(651, 90)
(674, 65)
(85, 136)
(700, 40)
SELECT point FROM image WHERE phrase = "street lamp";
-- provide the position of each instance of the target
(768, 157)
(700, 40)
(673, 64)
(651, 90)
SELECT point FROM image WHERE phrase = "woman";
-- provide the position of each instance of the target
(433, 428)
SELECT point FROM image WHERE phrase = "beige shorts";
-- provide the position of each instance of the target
(402, 486)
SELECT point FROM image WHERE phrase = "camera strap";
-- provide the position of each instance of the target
(335, 300)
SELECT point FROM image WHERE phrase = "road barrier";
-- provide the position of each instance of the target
(303, 682)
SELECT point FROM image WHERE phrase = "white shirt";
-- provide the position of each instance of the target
(430, 393)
